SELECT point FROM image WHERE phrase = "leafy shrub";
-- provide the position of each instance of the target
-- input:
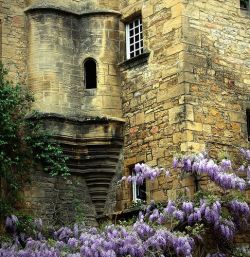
(22, 143)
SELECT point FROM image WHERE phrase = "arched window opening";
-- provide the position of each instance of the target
(90, 74)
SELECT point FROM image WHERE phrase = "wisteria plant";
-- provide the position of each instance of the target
(205, 225)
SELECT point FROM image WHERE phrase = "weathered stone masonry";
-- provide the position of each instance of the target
(193, 91)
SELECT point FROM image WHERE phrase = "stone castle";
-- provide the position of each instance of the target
(127, 81)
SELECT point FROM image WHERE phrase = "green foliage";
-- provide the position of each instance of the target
(22, 143)
(46, 150)
(80, 213)
(25, 223)
(139, 204)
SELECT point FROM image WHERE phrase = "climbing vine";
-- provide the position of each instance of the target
(22, 144)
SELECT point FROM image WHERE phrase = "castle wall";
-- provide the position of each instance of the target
(153, 90)
(193, 91)
(217, 70)
(13, 40)
(188, 92)
(59, 201)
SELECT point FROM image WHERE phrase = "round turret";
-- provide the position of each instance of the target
(73, 57)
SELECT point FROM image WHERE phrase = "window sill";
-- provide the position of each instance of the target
(135, 61)
(121, 215)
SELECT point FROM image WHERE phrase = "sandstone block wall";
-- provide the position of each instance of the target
(13, 40)
(217, 71)
(59, 201)
(153, 93)
(193, 92)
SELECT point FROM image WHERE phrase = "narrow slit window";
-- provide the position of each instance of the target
(248, 124)
(244, 4)
(90, 74)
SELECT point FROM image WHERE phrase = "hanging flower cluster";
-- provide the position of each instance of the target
(221, 173)
(142, 172)
(209, 214)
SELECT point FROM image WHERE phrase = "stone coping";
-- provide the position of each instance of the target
(53, 7)
(81, 119)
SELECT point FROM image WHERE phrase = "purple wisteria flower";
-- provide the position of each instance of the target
(143, 172)
(221, 174)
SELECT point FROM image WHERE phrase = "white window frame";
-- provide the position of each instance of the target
(131, 27)
(136, 190)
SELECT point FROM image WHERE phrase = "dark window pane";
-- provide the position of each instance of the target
(132, 55)
(136, 22)
(131, 40)
(137, 38)
(90, 74)
(141, 191)
(137, 45)
(136, 30)
(244, 4)
(132, 48)
(137, 52)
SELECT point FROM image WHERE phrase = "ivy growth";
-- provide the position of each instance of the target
(22, 144)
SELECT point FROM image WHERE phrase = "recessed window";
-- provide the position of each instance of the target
(90, 75)
(244, 4)
(134, 38)
(138, 191)
(248, 123)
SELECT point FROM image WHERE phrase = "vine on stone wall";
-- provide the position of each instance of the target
(22, 144)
